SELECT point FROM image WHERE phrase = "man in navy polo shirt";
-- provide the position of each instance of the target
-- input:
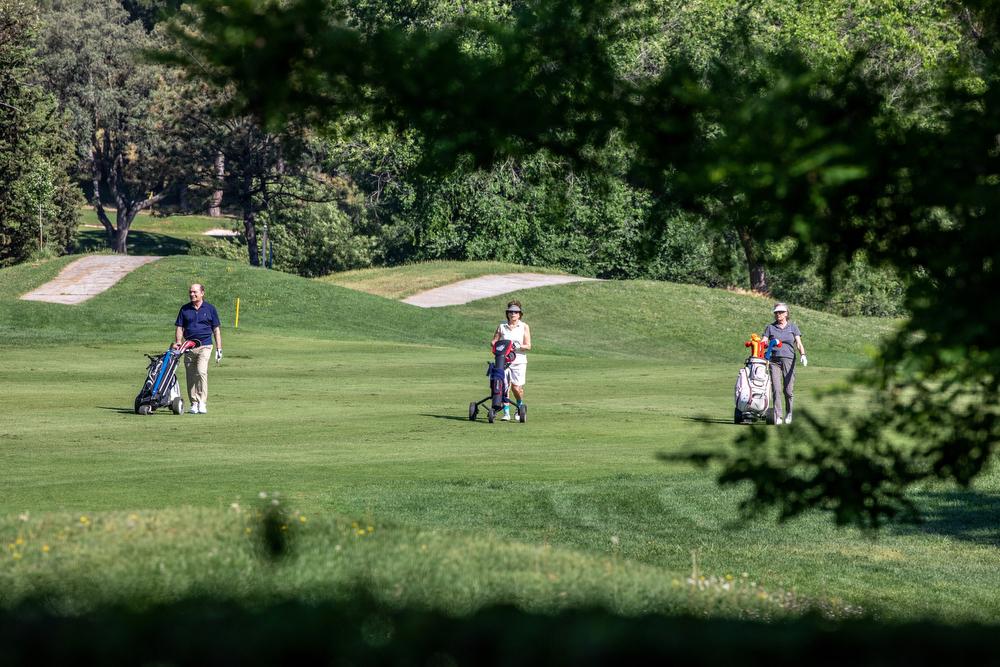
(198, 321)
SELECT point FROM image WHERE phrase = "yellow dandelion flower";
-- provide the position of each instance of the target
(729, 577)
(85, 520)
(359, 531)
(354, 525)
(371, 529)
(302, 519)
(246, 530)
(19, 541)
(16, 556)
(45, 548)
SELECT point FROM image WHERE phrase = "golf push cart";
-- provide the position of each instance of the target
(160, 389)
(504, 353)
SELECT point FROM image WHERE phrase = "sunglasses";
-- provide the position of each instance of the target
(513, 312)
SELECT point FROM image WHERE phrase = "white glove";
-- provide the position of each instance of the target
(218, 355)
(805, 362)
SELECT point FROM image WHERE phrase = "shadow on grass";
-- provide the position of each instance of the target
(452, 417)
(139, 243)
(710, 420)
(124, 411)
(970, 516)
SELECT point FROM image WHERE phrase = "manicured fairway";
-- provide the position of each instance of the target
(353, 408)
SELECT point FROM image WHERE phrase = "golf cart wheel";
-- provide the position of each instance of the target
(473, 411)
(144, 410)
(770, 416)
(491, 414)
(177, 406)
(522, 412)
(737, 416)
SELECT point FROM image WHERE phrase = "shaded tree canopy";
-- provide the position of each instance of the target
(37, 201)
(818, 154)
(88, 58)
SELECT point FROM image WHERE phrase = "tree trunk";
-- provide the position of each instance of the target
(250, 233)
(755, 267)
(125, 217)
(215, 204)
(102, 216)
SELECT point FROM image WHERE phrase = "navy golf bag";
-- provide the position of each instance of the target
(503, 356)
(160, 389)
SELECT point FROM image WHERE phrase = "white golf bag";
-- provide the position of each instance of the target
(753, 392)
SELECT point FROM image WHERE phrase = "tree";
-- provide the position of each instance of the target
(37, 201)
(89, 60)
(235, 158)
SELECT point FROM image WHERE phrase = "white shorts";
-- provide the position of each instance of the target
(516, 374)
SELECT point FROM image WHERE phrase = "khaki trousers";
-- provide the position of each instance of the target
(196, 371)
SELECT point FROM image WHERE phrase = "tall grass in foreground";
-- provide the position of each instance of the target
(80, 562)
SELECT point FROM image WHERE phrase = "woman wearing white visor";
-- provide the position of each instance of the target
(783, 360)
(516, 330)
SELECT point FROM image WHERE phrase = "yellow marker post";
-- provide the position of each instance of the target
(237, 325)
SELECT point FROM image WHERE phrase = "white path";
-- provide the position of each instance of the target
(86, 277)
(465, 291)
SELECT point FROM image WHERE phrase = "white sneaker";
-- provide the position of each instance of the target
(506, 416)
(517, 416)
(202, 409)
(194, 409)
(777, 421)
(788, 418)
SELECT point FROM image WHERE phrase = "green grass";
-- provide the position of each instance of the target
(402, 281)
(353, 408)
(150, 234)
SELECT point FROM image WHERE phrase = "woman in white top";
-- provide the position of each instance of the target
(516, 330)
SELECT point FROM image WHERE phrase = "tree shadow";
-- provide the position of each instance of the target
(970, 516)
(452, 417)
(139, 243)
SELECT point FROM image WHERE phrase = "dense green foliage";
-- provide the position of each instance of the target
(88, 57)
(37, 202)
(147, 136)
(599, 222)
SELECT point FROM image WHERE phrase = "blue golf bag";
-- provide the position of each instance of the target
(160, 389)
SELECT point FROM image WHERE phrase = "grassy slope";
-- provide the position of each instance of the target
(402, 281)
(352, 406)
(150, 234)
